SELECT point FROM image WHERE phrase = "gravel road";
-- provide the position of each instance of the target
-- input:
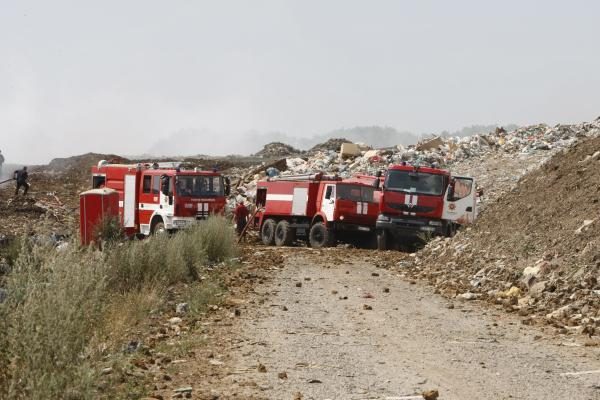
(354, 331)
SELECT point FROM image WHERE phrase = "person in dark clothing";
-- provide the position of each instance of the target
(21, 177)
(240, 215)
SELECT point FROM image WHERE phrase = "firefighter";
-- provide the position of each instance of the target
(240, 215)
(21, 177)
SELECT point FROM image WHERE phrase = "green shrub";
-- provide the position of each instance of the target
(109, 231)
(217, 237)
(55, 301)
(62, 305)
(163, 260)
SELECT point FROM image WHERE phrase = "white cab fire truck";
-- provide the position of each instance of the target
(161, 196)
(417, 202)
(316, 207)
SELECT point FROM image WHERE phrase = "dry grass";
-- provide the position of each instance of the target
(65, 308)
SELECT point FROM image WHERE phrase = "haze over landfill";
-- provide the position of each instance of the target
(299, 200)
(129, 78)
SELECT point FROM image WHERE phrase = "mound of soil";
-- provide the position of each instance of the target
(84, 161)
(536, 250)
(333, 144)
(277, 149)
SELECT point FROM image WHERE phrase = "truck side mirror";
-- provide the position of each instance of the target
(164, 185)
(451, 190)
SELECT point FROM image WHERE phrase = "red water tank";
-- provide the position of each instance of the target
(94, 206)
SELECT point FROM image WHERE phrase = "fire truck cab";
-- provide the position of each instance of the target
(161, 197)
(421, 201)
(317, 207)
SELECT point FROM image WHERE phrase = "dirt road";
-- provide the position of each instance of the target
(354, 331)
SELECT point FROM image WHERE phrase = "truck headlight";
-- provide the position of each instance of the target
(435, 223)
(428, 228)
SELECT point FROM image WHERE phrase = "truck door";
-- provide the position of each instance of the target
(148, 199)
(328, 201)
(166, 194)
(129, 201)
(460, 200)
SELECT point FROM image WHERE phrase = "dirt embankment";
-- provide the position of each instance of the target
(52, 204)
(536, 250)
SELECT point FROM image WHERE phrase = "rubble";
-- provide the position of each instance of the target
(277, 150)
(534, 250)
(482, 156)
(333, 144)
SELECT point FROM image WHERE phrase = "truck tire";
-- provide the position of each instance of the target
(284, 234)
(450, 229)
(158, 227)
(267, 232)
(383, 239)
(320, 236)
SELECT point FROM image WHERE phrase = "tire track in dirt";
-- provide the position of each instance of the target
(317, 337)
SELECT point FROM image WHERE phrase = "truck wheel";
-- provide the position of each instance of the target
(267, 232)
(320, 236)
(284, 234)
(158, 228)
(450, 229)
(382, 239)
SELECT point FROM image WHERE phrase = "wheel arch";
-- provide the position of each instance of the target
(319, 217)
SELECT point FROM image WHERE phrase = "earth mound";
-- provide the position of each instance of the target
(277, 149)
(536, 250)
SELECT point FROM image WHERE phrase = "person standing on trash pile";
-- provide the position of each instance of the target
(21, 177)
(240, 215)
(1, 162)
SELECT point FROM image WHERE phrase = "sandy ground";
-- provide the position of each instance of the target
(330, 345)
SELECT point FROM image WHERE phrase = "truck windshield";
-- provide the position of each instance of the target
(196, 186)
(415, 182)
(355, 193)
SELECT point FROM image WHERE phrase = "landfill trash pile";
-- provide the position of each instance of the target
(51, 206)
(277, 149)
(535, 251)
(483, 156)
(333, 144)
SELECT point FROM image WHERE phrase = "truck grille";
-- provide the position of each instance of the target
(413, 209)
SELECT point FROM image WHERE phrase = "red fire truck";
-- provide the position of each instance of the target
(420, 201)
(161, 197)
(317, 207)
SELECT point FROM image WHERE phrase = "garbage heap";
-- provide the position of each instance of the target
(277, 149)
(535, 251)
(339, 156)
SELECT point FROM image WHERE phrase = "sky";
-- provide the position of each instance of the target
(210, 77)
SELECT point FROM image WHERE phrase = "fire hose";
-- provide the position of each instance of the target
(8, 180)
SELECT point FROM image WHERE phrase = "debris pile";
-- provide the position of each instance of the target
(338, 156)
(52, 203)
(333, 144)
(277, 150)
(536, 250)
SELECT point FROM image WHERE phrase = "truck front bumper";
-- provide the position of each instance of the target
(178, 222)
(350, 227)
(410, 227)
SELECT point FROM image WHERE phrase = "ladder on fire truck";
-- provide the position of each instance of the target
(306, 177)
